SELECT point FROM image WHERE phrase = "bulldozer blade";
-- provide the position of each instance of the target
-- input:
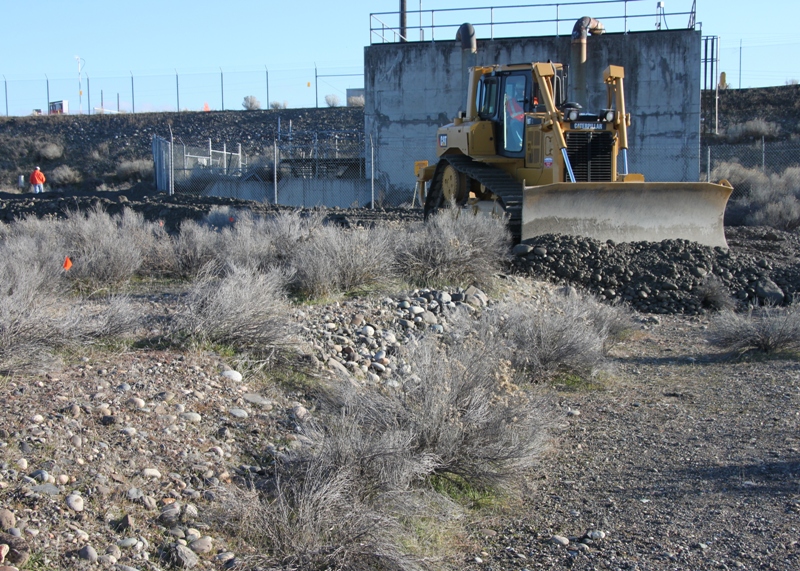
(628, 211)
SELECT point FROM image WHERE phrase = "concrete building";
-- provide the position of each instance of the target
(412, 88)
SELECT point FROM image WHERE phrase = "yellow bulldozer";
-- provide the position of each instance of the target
(521, 149)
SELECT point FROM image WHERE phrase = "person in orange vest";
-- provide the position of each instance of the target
(37, 180)
(515, 117)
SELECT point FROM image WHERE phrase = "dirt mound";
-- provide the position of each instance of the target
(96, 145)
(779, 105)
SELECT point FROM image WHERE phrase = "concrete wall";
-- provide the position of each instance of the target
(301, 192)
(414, 88)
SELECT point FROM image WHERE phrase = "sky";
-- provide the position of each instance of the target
(163, 55)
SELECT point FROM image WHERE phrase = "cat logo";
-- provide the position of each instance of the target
(442, 140)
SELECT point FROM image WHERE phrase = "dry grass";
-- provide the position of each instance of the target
(454, 248)
(138, 169)
(753, 129)
(713, 294)
(766, 329)
(316, 518)
(242, 308)
(336, 260)
(105, 250)
(63, 175)
(768, 200)
(49, 151)
(357, 497)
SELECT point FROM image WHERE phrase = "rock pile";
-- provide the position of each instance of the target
(668, 277)
(363, 339)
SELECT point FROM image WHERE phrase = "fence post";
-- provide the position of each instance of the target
(372, 172)
(708, 164)
(133, 97)
(171, 162)
(275, 169)
(763, 156)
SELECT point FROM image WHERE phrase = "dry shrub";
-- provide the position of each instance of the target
(105, 250)
(243, 308)
(334, 259)
(753, 129)
(251, 103)
(456, 412)
(34, 314)
(49, 151)
(467, 417)
(108, 318)
(766, 329)
(332, 100)
(713, 294)
(766, 200)
(354, 499)
(569, 334)
(195, 247)
(137, 169)
(63, 175)
(224, 216)
(316, 518)
(788, 181)
(453, 247)
(247, 242)
(355, 101)
(782, 213)
(277, 105)
(743, 179)
(287, 230)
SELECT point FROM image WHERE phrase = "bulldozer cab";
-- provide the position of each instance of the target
(504, 98)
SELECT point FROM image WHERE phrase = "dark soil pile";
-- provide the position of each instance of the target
(673, 276)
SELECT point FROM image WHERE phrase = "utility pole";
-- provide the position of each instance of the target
(80, 88)
(740, 63)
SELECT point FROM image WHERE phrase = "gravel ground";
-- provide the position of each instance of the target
(678, 458)
(685, 458)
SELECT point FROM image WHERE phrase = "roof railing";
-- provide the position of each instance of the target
(512, 21)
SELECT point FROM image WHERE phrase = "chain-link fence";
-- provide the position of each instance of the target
(344, 169)
(302, 169)
(755, 164)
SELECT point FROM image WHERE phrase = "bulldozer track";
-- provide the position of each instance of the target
(495, 180)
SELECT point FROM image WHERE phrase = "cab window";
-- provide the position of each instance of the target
(487, 98)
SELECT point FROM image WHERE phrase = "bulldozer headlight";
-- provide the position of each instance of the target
(609, 115)
(572, 114)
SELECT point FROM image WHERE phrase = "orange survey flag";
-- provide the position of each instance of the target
(67, 263)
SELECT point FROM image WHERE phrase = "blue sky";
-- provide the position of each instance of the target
(223, 51)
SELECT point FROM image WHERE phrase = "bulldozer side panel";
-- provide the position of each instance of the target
(482, 138)
(453, 138)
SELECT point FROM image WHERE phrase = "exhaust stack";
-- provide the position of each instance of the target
(469, 47)
(403, 28)
(583, 27)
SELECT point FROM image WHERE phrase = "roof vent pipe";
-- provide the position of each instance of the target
(466, 35)
(583, 27)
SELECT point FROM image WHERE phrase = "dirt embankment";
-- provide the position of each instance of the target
(779, 105)
(95, 145)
